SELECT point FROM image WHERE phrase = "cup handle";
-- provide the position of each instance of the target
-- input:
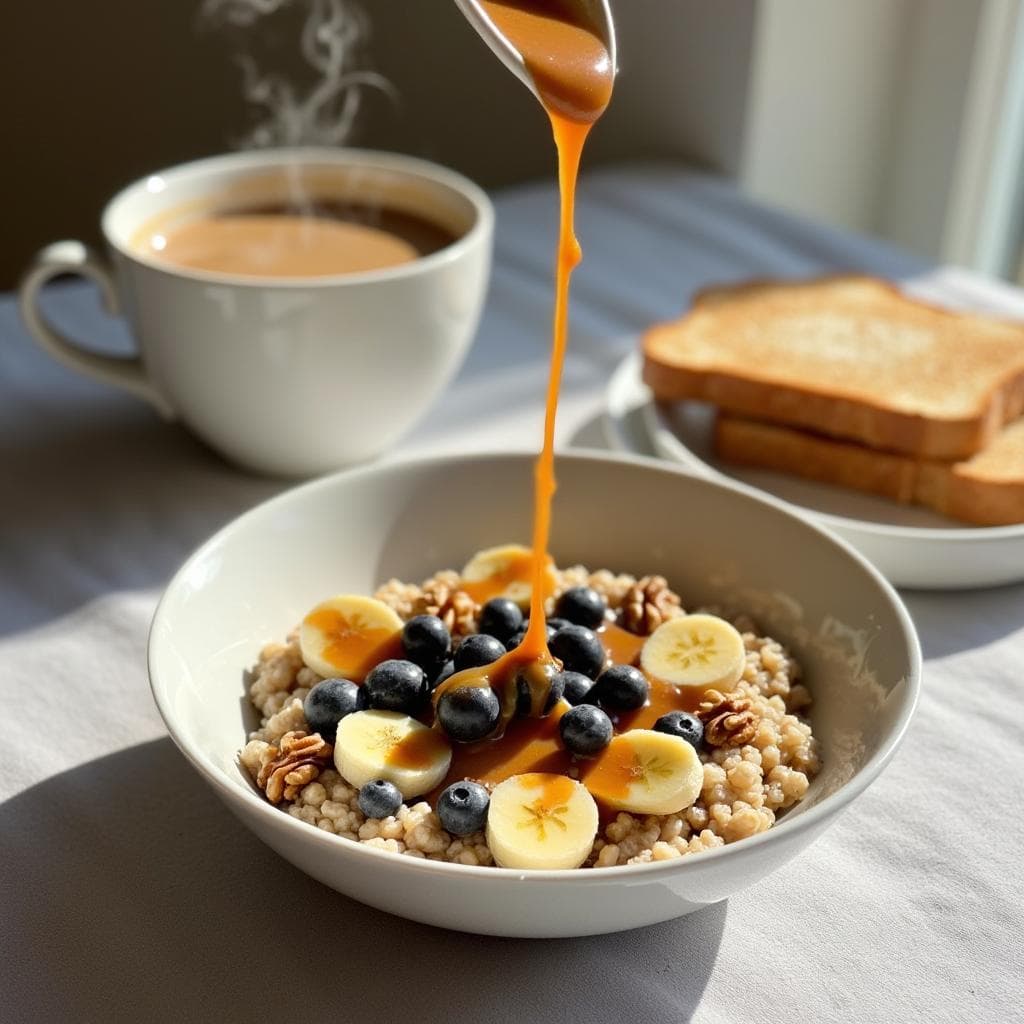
(72, 257)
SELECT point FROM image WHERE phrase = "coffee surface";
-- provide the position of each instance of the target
(317, 240)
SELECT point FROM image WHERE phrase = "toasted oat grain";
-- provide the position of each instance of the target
(402, 597)
(274, 676)
(611, 586)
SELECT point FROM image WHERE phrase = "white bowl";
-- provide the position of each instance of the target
(716, 543)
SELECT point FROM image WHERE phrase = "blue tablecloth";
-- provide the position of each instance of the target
(128, 893)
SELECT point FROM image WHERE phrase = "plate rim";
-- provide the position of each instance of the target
(627, 376)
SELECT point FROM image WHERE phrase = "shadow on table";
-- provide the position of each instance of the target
(590, 434)
(128, 890)
(952, 621)
(100, 485)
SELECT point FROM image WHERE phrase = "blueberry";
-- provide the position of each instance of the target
(329, 702)
(557, 684)
(426, 642)
(462, 808)
(517, 638)
(682, 723)
(621, 688)
(583, 606)
(578, 649)
(396, 685)
(586, 730)
(447, 669)
(501, 618)
(379, 799)
(479, 649)
(547, 677)
(555, 624)
(469, 713)
(576, 687)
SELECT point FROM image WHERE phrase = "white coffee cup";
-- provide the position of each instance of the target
(290, 376)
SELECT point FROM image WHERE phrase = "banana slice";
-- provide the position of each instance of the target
(646, 772)
(700, 651)
(347, 635)
(541, 820)
(504, 571)
(389, 745)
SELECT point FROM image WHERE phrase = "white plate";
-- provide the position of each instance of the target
(911, 546)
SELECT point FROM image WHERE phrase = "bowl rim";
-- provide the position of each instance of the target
(824, 809)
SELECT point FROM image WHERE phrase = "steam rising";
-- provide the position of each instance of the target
(332, 38)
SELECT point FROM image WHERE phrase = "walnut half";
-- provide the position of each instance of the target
(728, 721)
(647, 604)
(298, 761)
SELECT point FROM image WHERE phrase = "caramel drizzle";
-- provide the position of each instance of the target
(575, 89)
(533, 744)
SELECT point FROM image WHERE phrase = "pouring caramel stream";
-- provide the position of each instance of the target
(571, 68)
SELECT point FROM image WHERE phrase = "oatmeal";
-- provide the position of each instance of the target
(408, 722)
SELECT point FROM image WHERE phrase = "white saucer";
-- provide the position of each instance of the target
(912, 547)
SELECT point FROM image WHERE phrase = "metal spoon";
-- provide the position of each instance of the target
(596, 14)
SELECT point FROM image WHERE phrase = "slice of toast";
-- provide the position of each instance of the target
(986, 489)
(851, 357)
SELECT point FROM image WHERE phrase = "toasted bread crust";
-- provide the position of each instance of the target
(987, 490)
(944, 391)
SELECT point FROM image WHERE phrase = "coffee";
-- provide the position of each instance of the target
(316, 239)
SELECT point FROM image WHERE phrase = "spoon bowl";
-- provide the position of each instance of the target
(596, 14)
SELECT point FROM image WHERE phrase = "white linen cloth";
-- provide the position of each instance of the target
(128, 893)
